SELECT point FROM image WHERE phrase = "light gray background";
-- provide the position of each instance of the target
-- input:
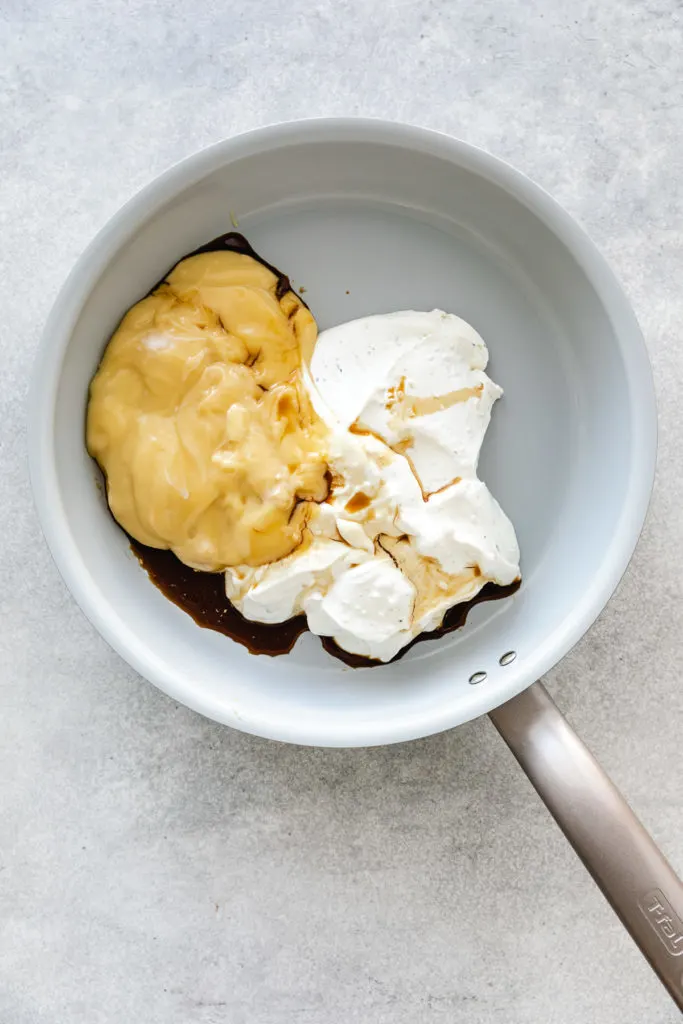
(156, 868)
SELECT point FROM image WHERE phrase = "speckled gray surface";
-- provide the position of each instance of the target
(157, 868)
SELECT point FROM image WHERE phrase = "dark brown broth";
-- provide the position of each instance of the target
(202, 595)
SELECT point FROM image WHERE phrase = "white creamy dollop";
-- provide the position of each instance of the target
(408, 530)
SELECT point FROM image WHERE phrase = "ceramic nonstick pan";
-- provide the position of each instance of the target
(369, 217)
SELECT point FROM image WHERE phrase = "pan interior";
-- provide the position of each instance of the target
(367, 228)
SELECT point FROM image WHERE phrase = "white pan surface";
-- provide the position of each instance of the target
(399, 218)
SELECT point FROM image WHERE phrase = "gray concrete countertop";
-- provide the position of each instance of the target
(160, 869)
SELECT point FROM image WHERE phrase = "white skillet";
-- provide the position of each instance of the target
(369, 217)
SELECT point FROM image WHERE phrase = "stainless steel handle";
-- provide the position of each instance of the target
(623, 859)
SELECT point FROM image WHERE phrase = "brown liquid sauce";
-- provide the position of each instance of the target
(202, 594)
(454, 618)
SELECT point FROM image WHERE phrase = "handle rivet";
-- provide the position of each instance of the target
(477, 677)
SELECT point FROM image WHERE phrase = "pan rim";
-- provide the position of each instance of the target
(74, 293)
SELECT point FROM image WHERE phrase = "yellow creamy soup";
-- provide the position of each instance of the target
(200, 422)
